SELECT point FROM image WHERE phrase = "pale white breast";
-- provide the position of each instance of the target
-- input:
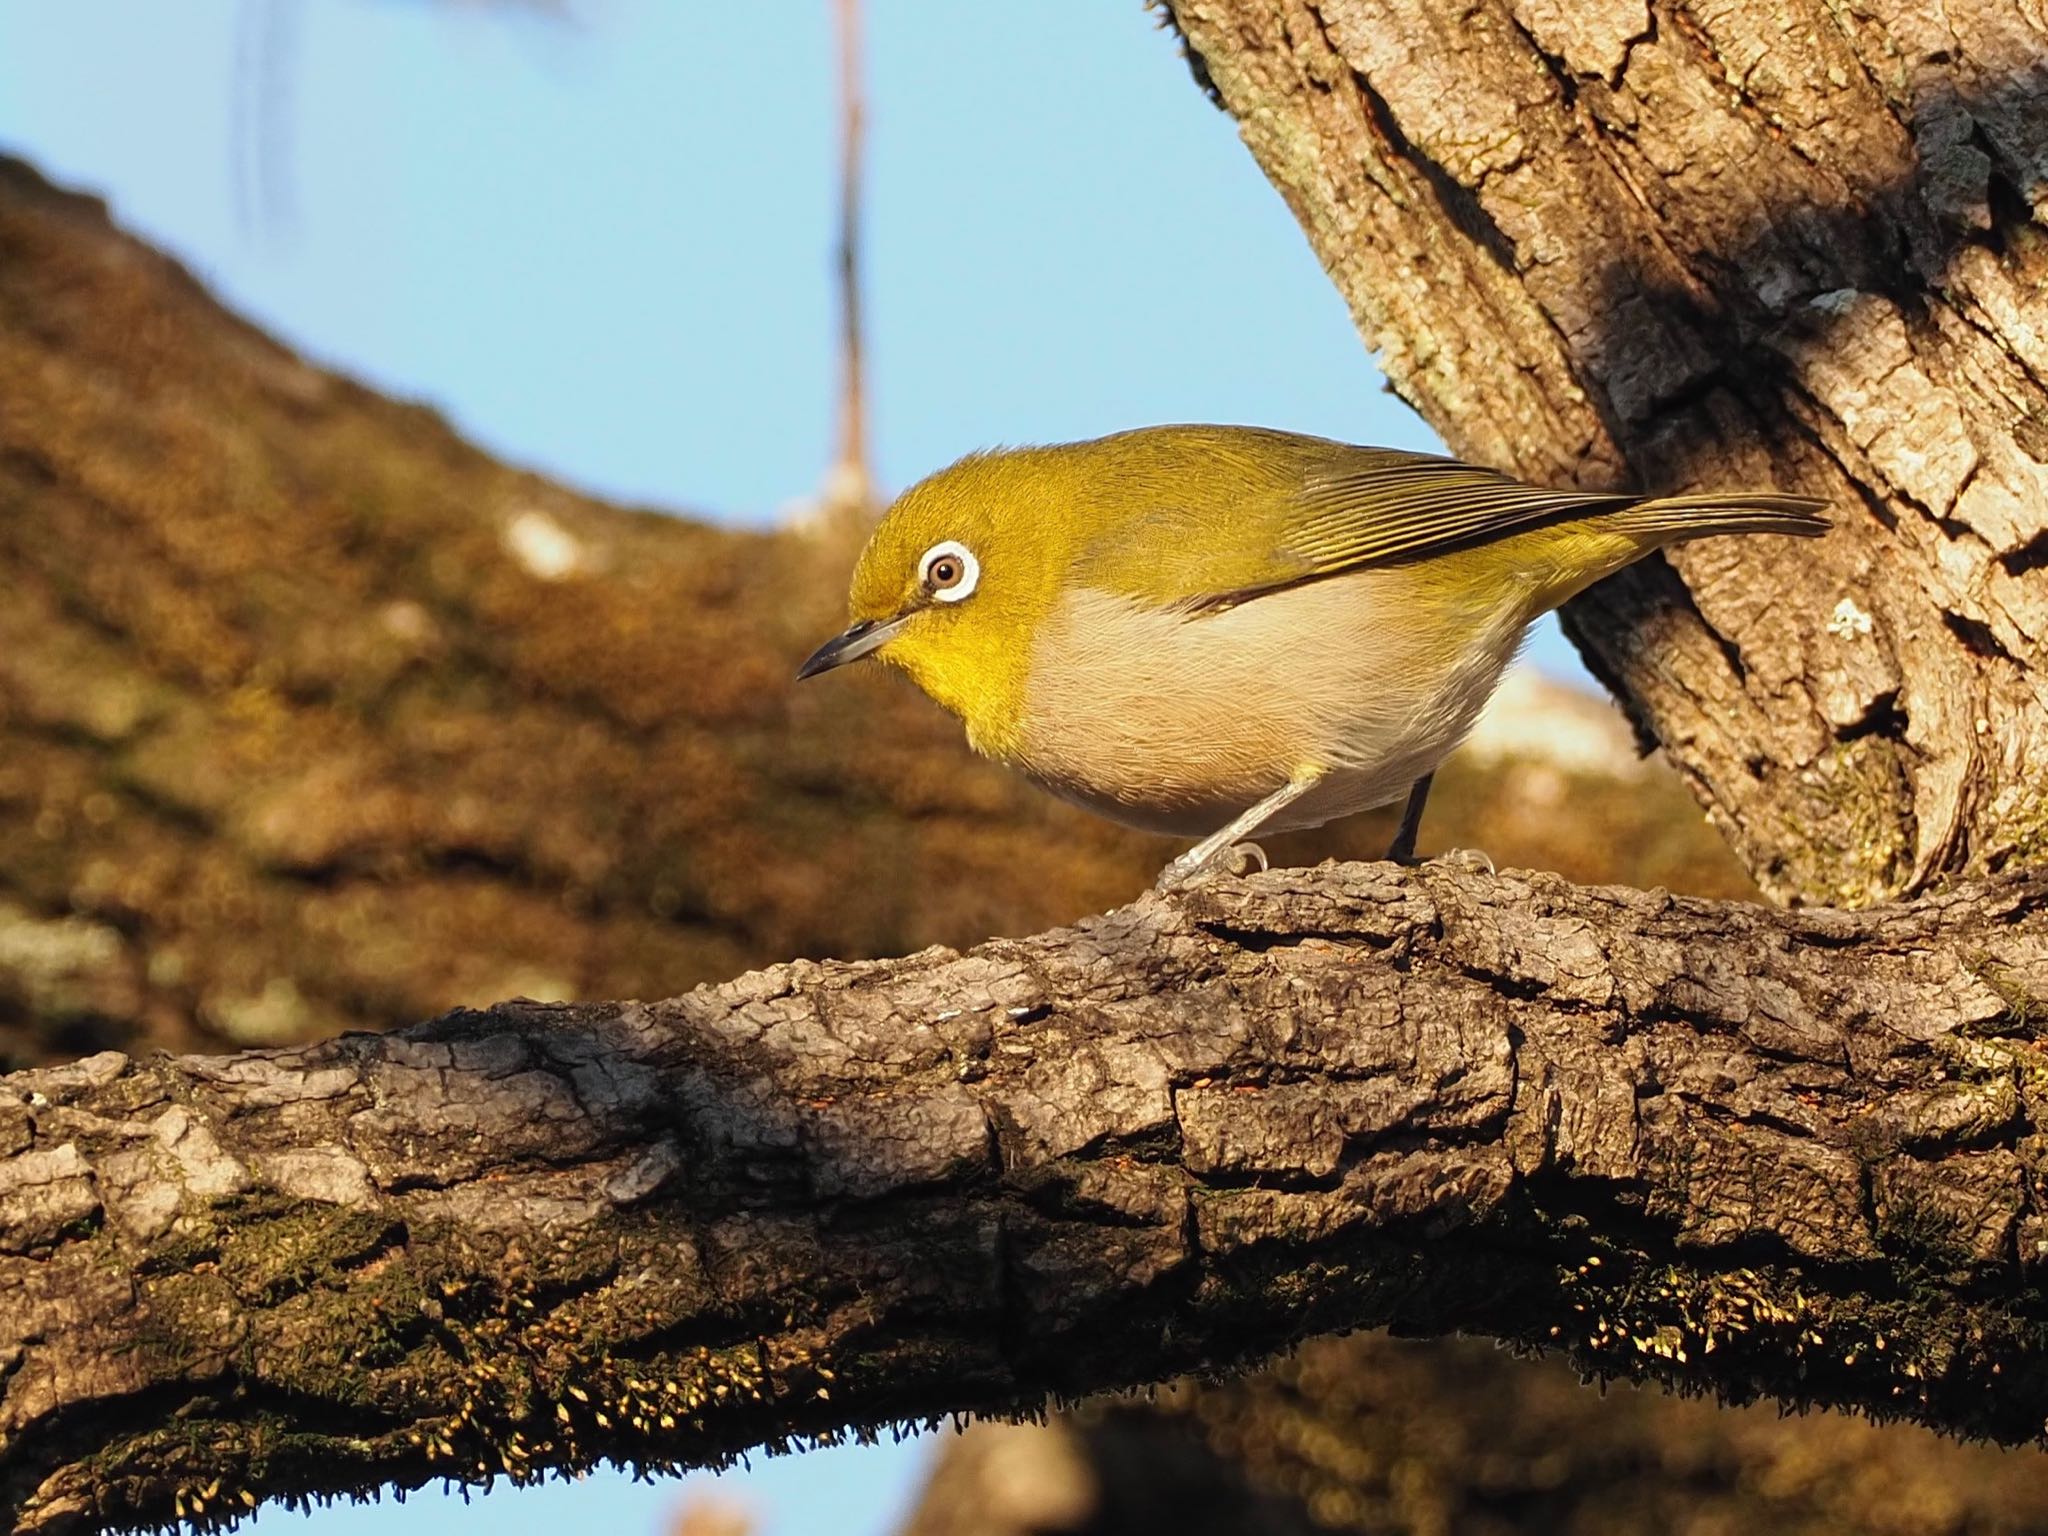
(1177, 722)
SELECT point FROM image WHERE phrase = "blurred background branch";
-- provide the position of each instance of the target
(849, 496)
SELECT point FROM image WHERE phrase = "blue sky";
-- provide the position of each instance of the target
(601, 245)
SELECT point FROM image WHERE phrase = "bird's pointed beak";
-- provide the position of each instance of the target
(862, 639)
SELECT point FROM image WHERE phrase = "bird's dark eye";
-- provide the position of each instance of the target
(949, 571)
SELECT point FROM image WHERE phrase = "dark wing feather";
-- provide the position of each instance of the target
(1414, 507)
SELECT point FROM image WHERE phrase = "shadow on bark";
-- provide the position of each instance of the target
(1879, 347)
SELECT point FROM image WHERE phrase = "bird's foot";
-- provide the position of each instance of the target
(1474, 860)
(1198, 864)
(1244, 859)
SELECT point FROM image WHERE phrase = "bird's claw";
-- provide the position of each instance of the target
(1244, 859)
(1475, 860)
(1238, 859)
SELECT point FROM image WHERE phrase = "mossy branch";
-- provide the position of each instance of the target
(1746, 1151)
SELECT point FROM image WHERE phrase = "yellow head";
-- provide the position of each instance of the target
(956, 581)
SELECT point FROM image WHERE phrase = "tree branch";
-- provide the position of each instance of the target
(1744, 1150)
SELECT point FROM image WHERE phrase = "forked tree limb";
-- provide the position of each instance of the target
(1744, 1150)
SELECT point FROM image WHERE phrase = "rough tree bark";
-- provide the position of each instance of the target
(1652, 1132)
(1778, 242)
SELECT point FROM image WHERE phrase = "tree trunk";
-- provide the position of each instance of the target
(1757, 242)
(1752, 1152)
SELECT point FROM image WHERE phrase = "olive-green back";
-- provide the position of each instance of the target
(1208, 516)
(1202, 517)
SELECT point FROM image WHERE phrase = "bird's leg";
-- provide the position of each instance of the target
(1403, 849)
(1199, 857)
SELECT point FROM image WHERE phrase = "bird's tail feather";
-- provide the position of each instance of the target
(1670, 519)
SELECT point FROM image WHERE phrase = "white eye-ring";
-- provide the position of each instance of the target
(949, 571)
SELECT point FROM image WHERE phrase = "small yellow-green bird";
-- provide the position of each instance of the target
(1215, 631)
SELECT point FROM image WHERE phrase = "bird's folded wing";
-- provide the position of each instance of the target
(1346, 509)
